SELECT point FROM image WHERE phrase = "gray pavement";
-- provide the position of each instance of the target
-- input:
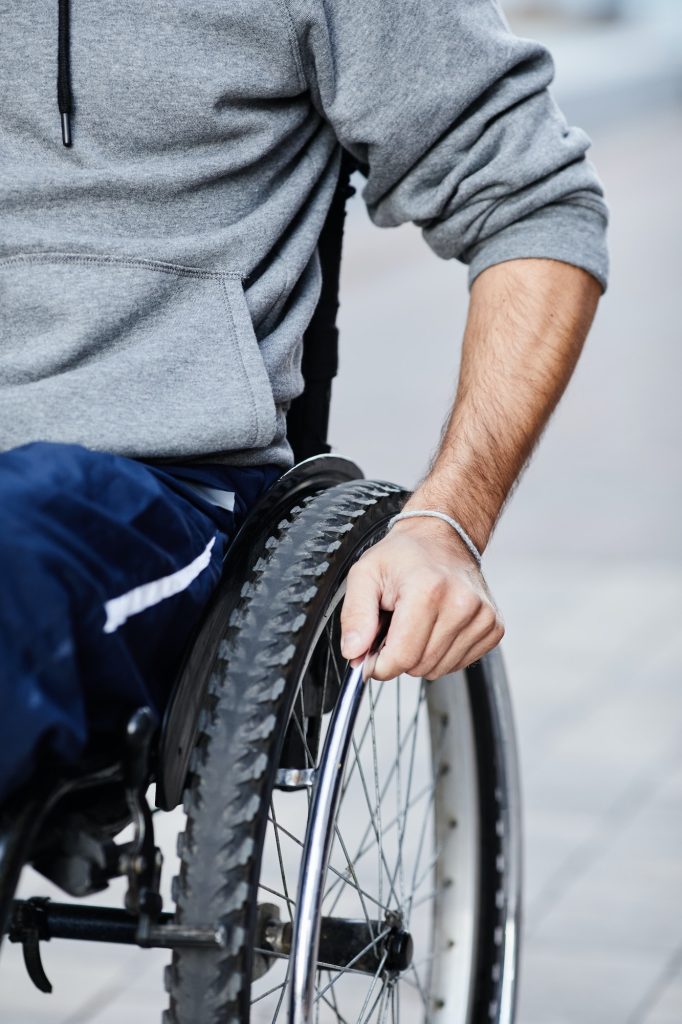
(587, 567)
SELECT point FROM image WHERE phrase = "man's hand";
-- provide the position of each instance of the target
(443, 616)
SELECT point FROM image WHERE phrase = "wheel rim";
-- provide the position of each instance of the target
(404, 854)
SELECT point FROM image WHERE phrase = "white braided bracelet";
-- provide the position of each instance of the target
(459, 530)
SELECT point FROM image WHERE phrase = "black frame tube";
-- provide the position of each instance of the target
(85, 923)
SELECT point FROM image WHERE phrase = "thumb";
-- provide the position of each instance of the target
(360, 612)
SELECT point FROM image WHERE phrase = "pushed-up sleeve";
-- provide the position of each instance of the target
(451, 113)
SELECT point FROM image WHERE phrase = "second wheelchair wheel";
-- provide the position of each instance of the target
(419, 902)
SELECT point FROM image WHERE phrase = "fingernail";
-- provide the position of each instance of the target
(350, 645)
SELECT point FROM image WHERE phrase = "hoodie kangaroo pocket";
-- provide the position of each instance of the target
(129, 355)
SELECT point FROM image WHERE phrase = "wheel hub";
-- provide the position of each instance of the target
(344, 944)
(400, 949)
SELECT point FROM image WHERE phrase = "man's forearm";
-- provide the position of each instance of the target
(527, 323)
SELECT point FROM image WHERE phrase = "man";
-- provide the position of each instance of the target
(160, 212)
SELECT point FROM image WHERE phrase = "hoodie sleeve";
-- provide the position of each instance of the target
(452, 114)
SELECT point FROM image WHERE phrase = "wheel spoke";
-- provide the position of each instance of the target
(334, 1004)
(282, 872)
(425, 791)
(427, 959)
(431, 788)
(384, 1005)
(424, 875)
(361, 1017)
(310, 760)
(282, 994)
(430, 896)
(423, 829)
(351, 869)
(398, 796)
(264, 995)
(375, 765)
(411, 731)
(329, 653)
(420, 990)
(410, 772)
(376, 826)
(279, 895)
(331, 868)
(360, 743)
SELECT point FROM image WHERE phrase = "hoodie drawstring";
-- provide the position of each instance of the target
(64, 97)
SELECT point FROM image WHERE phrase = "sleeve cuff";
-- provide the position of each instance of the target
(567, 232)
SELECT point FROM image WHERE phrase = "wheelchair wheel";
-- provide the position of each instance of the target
(420, 904)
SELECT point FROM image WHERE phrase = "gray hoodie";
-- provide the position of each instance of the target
(156, 277)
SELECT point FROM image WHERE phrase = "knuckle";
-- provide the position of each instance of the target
(356, 572)
(432, 588)
(468, 604)
(439, 587)
(488, 619)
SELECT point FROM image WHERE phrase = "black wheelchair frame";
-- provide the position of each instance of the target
(65, 826)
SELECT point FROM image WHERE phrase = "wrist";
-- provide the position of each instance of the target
(455, 533)
(476, 521)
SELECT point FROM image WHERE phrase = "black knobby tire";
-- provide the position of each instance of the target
(250, 699)
(293, 588)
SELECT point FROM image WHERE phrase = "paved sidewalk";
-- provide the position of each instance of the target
(587, 566)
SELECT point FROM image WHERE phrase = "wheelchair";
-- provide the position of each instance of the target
(352, 849)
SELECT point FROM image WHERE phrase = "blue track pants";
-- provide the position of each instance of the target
(106, 565)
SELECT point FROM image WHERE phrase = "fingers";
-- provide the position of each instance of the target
(455, 621)
(489, 641)
(431, 642)
(360, 612)
(424, 626)
(484, 633)
(411, 627)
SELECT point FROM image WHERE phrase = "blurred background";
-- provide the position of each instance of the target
(586, 563)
